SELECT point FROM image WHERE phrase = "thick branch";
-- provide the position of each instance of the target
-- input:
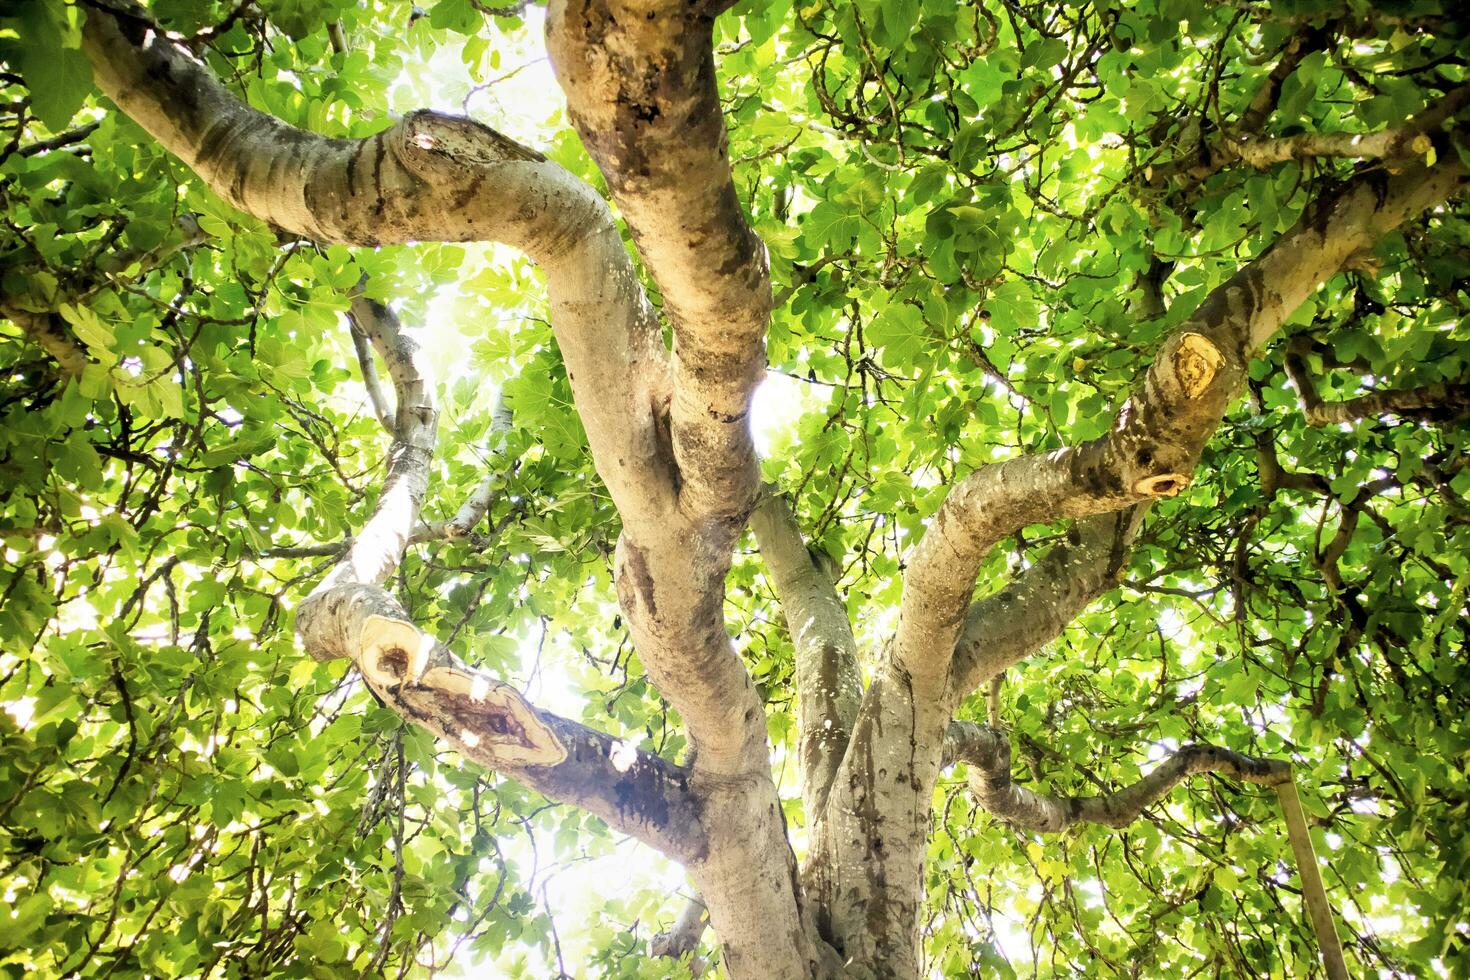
(635, 792)
(1038, 603)
(828, 684)
(987, 752)
(484, 719)
(640, 82)
(411, 182)
(682, 474)
(429, 177)
(1156, 438)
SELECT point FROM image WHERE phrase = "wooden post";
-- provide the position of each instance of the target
(1313, 893)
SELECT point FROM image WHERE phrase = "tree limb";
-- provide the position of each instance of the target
(1441, 401)
(987, 753)
(640, 82)
(48, 332)
(633, 791)
(1038, 603)
(639, 78)
(679, 467)
(347, 615)
(683, 936)
(828, 683)
(382, 410)
(1156, 438)
(1413, 138)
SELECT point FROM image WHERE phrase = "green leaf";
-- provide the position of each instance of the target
(49, 58)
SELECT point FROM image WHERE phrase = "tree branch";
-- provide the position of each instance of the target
(680, 468)
(987, 753)
(633, 791)
(828, 683)
(1156, 438)
(1413, 138)
(640, 83)
(48, 332)
(478, 503)
(1441, 401)
(683, 936)
(382, 410)
(1037, 604)
(377, 550)
(347, 615)
(639, 77)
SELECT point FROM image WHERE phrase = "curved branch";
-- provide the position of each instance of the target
(633, 791)
(828, 685)
(679, 467)
(429, 177)
(411, 182)
(486, 720)
(1156, 438)
(1442, 401)
(987, 753)
(1038, 603)
(639, 76)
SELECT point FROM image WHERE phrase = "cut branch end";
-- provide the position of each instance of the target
(1162, 485)
(1196, 363)
(393, 651)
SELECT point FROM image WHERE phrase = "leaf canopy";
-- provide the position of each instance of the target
(981, 219)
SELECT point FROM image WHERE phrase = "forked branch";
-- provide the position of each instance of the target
(489, 721)
(1156, 438)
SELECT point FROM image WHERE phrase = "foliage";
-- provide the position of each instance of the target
(968, 209)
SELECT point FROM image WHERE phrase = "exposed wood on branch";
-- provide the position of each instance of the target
(1154, 443)
(419, 678)
(669, 436)
(634, 791)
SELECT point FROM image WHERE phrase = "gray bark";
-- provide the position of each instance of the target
(670, 438)
(987, 753)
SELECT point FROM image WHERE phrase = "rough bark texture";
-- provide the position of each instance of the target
(870, 883)
(828, 682)
(670, 437)
(987, 753)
